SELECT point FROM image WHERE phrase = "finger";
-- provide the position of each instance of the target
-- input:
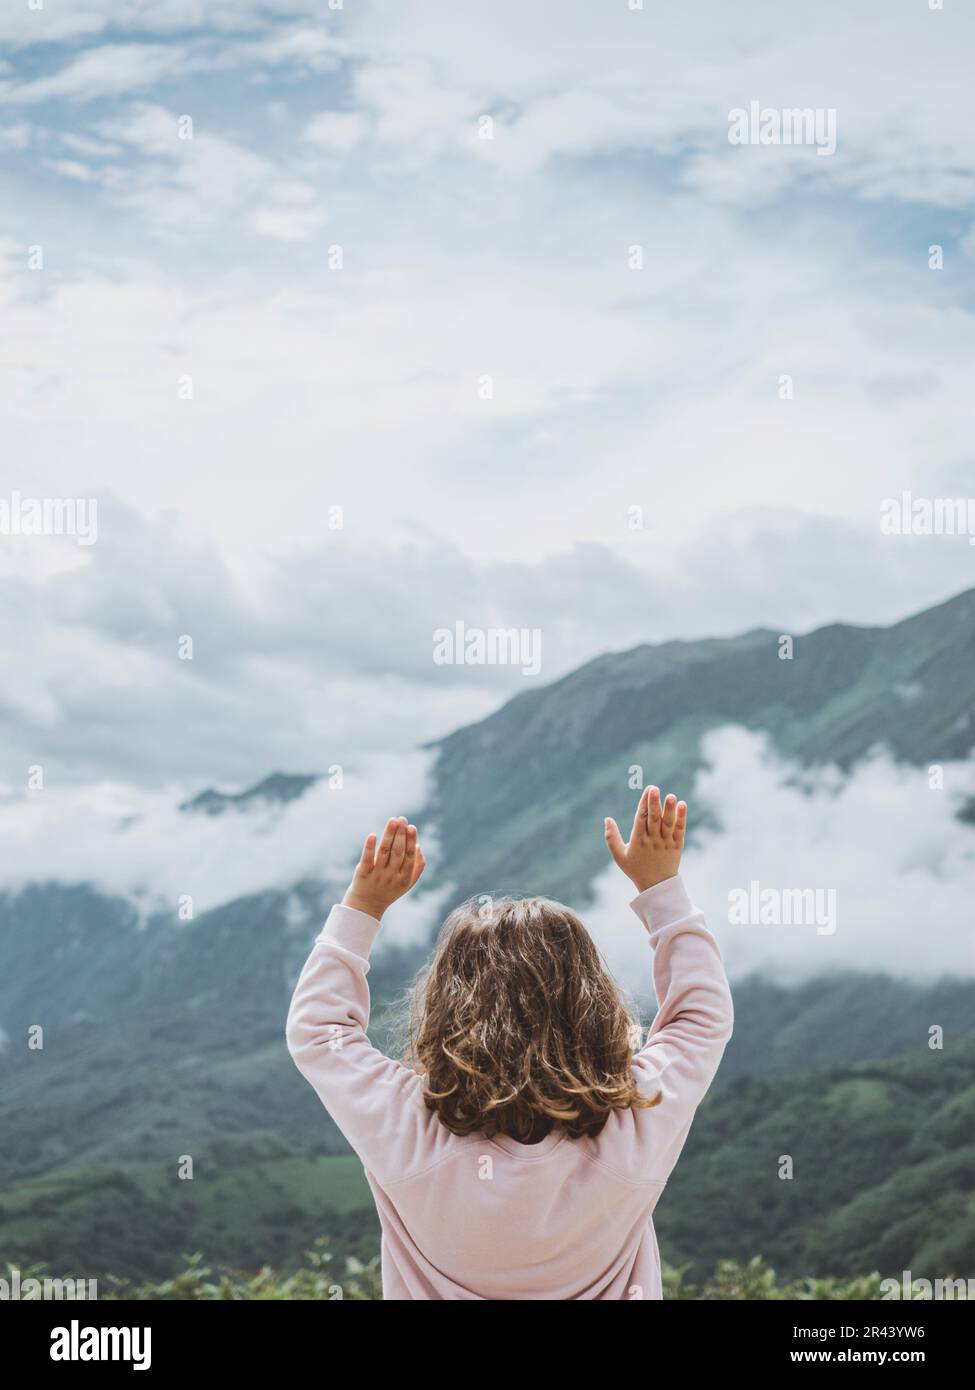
(397, 846)
(653, 811)
(614, 841)
(419, 864)
(680, 824)
(367, 859)
(386, 843)
(670, 813)
(409, 850)
(640, 816)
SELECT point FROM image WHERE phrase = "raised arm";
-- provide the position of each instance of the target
(376, 1102)
(695, 1014)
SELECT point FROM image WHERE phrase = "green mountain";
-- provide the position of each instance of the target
(512, 791)
(251, 1201)
(883, 1171)
(278, 789)
(159, 1039)
(883, 1178)
(163, 1039)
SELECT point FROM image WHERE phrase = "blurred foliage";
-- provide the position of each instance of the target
(756, 1280)
(317, 1279)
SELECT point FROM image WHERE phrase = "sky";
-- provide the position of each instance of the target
(488, 285)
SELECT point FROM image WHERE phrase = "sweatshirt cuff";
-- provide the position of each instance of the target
(350, 928)
(666, 902)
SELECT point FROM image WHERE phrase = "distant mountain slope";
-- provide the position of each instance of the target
(840, 1019)
(252, 1200)
(512, 792)
(883, 1179)
(157, 1039)
(883, 1171)
(277, 789)
(164, 1037)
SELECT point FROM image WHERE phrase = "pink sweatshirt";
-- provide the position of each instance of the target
(475, 1218)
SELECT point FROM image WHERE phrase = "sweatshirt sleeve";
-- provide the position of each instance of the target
(692, 1026)
(376, 1102)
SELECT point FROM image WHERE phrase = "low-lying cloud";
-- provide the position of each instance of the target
(881, 844)
(140, 846)
(882, 849)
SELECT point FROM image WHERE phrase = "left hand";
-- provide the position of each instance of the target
(382, 875)
(656, 841)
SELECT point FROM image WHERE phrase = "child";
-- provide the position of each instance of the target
(521, 1151)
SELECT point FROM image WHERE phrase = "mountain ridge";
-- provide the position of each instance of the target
(277, 788)
(163, 1041)
(510, 791)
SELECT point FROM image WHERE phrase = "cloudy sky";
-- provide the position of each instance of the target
(280, 262)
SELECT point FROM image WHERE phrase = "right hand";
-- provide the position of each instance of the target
(653, 850)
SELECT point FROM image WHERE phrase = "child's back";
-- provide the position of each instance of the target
(516, 1035)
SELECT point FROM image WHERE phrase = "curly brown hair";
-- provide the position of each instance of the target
(516, 1026)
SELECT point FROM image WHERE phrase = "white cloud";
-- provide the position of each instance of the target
(337, 131)
(84, 144)
(464, 259)
(21, 26)
(611, 388)
(112, 70)
(901, 880)
(584, 80)
(306, 47)
(578, 80)
(573, 79)
(71, 169)
(186, 185)
(138, 845)
(15, 137)
(892, 850)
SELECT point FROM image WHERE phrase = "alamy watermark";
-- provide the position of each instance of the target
(77, 1343)
(756, 906)
(50, 516)
(908, 515)
(924, 1290)
(489, 646)
(788, 125)
(16, 1288)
